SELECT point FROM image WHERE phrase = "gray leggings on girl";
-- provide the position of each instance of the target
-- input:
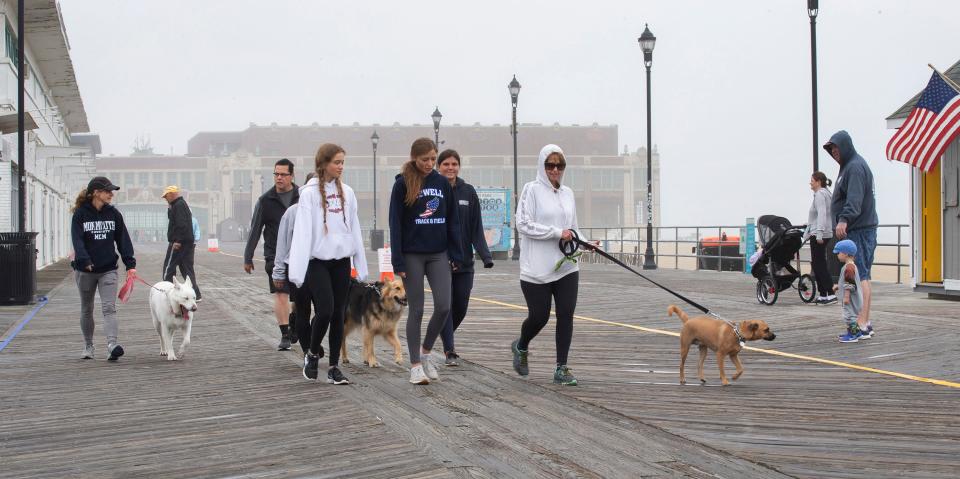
(436, 267)
(88, 284)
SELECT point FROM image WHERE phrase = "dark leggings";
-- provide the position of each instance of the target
(460, 288)
(818, 262)
(329, 284)
(301, 315)
(564, 293)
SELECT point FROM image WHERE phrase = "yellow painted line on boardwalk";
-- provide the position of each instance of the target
(774, 352)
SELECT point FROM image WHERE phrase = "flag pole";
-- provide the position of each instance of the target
(945, 78)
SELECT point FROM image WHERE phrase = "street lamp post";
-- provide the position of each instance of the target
(514, 88)
(376, 236)
(436, 116)
(812, 10)
(647, 42)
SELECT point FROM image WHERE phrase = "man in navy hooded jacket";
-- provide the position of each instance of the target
(854, 211)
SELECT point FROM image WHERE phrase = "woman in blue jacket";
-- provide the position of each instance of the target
(424, 241)
(98, 233)
(471, 236)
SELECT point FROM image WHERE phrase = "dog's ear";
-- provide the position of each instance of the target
(176, 283)
(187, 283)
(753, 326)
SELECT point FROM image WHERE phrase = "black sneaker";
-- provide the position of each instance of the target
(519, 359)
(334, 376)
(310, 366)
(563, 376)
(292, 321)
(116, 351)
(284, 343)
(453, 359)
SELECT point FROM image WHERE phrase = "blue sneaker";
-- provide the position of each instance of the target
(851, 337)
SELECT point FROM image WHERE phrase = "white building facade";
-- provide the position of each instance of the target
(57, 162)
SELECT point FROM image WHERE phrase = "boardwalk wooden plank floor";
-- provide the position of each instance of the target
(236, 407)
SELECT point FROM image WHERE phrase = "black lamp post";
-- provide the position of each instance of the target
(436, 125)
(374, 139)
(812, 10)
(647, 42)
(514, 88)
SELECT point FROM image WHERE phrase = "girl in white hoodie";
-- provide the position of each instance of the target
(547, 213)
(326, 236)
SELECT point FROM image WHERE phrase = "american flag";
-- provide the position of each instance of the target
(432, 206)
(930, 128)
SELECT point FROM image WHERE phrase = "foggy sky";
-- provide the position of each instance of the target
(731, 84)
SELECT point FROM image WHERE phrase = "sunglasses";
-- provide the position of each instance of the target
(281, 174)
(554, 166)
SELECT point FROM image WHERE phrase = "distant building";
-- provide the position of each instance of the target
(224, 173)
(58, 162)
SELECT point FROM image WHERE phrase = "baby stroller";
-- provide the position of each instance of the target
(781, 242)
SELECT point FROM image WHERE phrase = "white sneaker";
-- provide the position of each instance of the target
(87, 352)
(417, 375)
(429, 367)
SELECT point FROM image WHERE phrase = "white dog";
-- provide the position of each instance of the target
(172, 306)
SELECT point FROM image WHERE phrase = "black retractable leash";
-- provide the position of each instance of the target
(569, 248)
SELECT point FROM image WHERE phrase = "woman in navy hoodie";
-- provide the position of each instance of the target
(98, 232)
(424, 241)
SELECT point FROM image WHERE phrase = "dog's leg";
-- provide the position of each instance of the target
(186, 338)
(723, 375)
(368, 352)
(735, 357)
(167, 339)
(343, 349)
(684, 349)
(394, 341)
(703, 359)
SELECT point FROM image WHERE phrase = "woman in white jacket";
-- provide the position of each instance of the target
(326, 236)
(547, 213)
(820, 230)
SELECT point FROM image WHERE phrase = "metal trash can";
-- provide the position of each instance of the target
(376, 239)
(18, 261)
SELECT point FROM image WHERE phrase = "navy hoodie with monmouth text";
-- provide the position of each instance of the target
(97, 236)
(431, 225)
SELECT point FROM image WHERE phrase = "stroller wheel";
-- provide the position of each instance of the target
(767, 291)
(807, 288)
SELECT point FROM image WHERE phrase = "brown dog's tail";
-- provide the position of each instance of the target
(674, 309)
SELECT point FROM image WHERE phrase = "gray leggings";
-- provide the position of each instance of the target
(436, 267)
(88, 284)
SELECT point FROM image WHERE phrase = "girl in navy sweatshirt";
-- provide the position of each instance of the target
(424, 241)
(98, 232)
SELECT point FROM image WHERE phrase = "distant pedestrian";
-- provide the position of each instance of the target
(471, 236)
(190, 253)
(326, 238)
(819, 232)
(300, 296)
(854, 211)
(424, 241)
(849, 288)
(98, 232)
(547, 214)
(266, 220)
(180, 245)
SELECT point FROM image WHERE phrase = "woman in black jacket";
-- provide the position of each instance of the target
(98, 232)
(471, 236)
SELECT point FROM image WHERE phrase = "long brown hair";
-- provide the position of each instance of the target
(412, 178)
(325, 155)
(822, 178)
(82, 197)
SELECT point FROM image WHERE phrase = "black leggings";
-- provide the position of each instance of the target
(301, 315)
(818, 262)
(461, 285)
(329, 284)
(564, 293)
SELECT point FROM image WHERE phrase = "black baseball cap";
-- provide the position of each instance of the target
(101, 183)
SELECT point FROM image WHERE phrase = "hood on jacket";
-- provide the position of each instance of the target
(103, 209)
(541, 171)
(312, 183)
(845, 144)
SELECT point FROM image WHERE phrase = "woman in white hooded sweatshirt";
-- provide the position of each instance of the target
(547, 213)
(326, 236)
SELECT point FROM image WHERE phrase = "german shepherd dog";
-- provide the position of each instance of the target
(375, 308)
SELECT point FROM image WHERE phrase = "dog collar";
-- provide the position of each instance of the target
(736, 330)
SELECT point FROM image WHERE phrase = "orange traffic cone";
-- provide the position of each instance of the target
(353, 273)
(386, 275)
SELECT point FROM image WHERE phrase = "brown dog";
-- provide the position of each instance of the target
(375, 308)
(719, 336)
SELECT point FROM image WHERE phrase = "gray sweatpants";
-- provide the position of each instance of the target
(88, 284)
(436, 267)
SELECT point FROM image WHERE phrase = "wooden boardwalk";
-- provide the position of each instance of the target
(236, 407)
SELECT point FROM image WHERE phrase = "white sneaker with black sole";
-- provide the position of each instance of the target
(87, 352)
(417, 376)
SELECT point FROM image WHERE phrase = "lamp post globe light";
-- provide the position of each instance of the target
(436, 116)
(514, 88)
(376, 236)
(813, 8)
(647, 42)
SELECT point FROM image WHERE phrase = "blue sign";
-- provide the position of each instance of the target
(495, 212)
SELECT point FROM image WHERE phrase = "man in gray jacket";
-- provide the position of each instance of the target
(854, 211)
